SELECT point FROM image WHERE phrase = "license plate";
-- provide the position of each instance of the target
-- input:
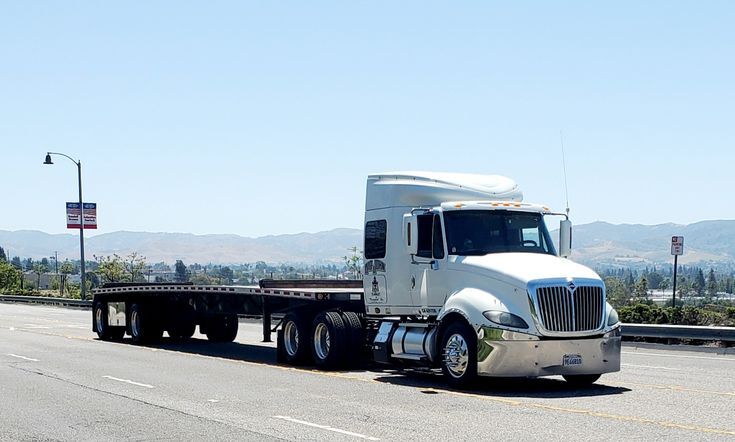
(572, 360)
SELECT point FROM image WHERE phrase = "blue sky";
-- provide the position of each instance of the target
(265, 117)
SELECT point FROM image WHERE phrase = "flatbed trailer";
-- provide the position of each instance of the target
(145, 310)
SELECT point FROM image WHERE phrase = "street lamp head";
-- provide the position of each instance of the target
(48, 159)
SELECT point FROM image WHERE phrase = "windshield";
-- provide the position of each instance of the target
(479, 232)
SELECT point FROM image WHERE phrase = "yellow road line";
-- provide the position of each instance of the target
(682, 389)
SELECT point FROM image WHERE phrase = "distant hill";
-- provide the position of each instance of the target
(328, 246)
(598, 244)
(605, 244)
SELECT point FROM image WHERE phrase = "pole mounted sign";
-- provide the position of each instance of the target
(677, 248)
(677, 245)
(72, 216)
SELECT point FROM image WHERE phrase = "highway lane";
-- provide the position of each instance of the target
(58, 382)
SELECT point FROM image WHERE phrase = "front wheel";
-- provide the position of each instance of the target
(459, 355)
(581, 380)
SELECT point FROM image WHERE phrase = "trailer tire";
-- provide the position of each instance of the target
(459, 355)
(104, 331)
(581, 380)
(222, 328)
(182, 329)
(356, 337)
(144, 325)
(296, 331)
(329, 340)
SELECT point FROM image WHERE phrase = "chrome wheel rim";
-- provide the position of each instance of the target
(98, 318)
(456, 355)
(291, 338)
(135, 323)
(322, 341)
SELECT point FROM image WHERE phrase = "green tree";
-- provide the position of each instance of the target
(3, 257)
(66, 268)
(135, 265)
(699, 284)
(354, 263)
(110, 268)
(226, 274)
(9, 278)
(617, 291)
(711, 284)
(181, 273)
(16, 263)
(28, 264)
(640, 291)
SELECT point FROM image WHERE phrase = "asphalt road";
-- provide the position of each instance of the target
(58, 382)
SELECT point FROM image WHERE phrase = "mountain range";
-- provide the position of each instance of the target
(597, 244)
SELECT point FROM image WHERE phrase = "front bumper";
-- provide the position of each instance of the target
(511, 354)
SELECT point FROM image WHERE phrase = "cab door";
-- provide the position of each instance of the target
(428, 265)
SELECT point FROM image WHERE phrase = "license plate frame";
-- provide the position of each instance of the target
(572, 360)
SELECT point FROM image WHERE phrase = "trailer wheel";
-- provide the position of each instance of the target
(581, 380)
(104, 331)
(459, 355)
(329, 340)
(296, 331)
(356, 337)
(144, 326)
(222, 328)
(182, 329)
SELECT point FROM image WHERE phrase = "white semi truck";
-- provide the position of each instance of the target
(460, 275)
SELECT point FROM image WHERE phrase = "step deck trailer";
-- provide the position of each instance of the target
(145, 310)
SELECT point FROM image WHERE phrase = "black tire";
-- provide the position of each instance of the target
(182, 329)
(104, 331)
(295, 344)
(144, 325)
(222, 328)
(356, 342)
(581, 380)
(329, 340)
(458, 354)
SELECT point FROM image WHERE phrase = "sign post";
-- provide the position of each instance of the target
(677, 248)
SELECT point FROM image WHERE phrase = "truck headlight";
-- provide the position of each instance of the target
(612, 317)
(506, 319)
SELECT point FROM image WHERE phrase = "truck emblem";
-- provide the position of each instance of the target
(571, 286)
(376, 287)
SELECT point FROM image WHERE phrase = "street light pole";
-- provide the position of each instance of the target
(81, 217)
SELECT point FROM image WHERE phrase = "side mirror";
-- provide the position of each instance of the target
(410, 233)
(565, 238)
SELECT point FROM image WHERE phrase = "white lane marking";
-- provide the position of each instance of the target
(651, 366)
(325, 427)
(36, 326)
(213, 400)
(22, 357)
(11, 328)
(679, 356)
(128, 381)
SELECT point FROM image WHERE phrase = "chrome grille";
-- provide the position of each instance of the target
(563, 310)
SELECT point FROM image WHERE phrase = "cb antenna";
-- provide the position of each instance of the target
(564, 163)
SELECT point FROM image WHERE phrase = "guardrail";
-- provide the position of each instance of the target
(48, 301)
(703, 333)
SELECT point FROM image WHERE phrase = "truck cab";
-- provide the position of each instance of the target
(467, 278)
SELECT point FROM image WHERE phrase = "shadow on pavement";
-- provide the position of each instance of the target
(506, 387)
(427, 380)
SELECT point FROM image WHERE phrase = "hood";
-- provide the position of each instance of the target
(524, 267)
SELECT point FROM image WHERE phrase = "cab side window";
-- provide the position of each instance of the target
(438, 241)
(375, 238)
(425, 223)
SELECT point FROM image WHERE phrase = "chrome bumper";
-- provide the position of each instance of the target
(510, 354)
